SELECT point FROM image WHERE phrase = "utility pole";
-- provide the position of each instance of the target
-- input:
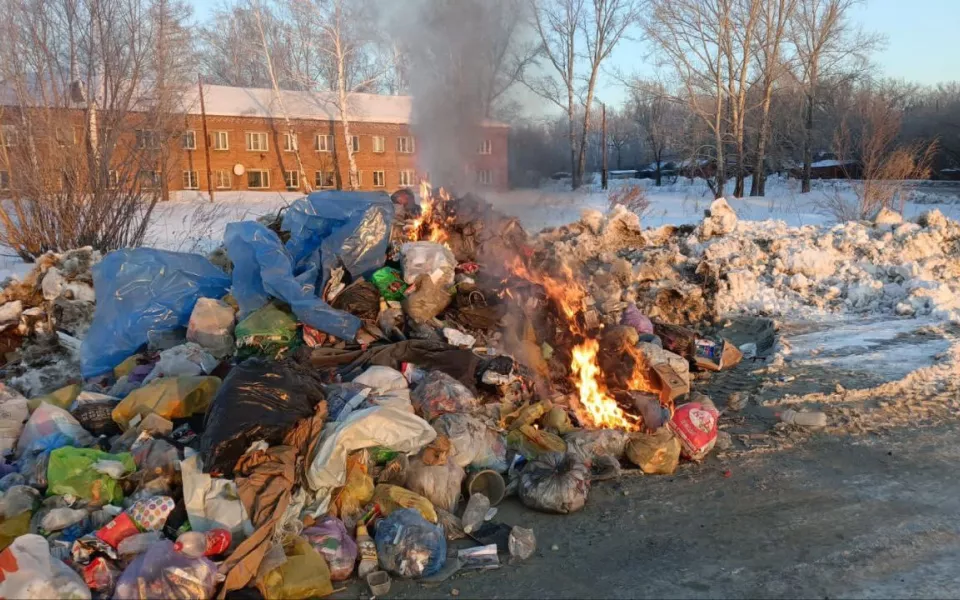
(206, 139)
(603, 144)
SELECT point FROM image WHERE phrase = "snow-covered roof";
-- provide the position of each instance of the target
(221, 100)
(831, 163)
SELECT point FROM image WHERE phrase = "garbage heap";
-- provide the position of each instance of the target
(346, 391)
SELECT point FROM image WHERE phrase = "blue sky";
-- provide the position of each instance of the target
(922, 42)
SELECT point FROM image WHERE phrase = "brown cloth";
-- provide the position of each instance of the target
(265, 483)
(432, 355)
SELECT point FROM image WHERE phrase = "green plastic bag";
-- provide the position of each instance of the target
(70, 471)
(267, 331)
(390, 283)
(169, 397)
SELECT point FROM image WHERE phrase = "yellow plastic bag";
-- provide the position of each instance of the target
(393, 497)
(351, 498)
(532, 442)
(126, 366)
(655, 453)
(169, 397)
(61, 398)
(304, 575)
(11, 529)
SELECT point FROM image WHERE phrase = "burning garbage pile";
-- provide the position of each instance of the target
(347, 391)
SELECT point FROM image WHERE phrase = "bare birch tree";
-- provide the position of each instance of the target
(738, 48)
(660, 120)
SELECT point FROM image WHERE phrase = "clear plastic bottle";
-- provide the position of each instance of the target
(196, 544)
(813, 420)
(475, 513)
(367, 550)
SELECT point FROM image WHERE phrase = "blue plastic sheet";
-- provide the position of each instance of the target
(142, 290)
(263, 269)
(327, 229)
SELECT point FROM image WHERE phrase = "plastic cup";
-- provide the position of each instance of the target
(379, 582)
(489, 483)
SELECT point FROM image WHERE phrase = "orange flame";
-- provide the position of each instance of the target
(597, 408)
(567, 293)
(425, 226)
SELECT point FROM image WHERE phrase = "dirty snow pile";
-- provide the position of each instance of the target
(727, 266)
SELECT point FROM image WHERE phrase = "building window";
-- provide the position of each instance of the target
(324, 143)
(289, 142)
(8, 135)
(378, 179)
(149, 179)
(256, 141)
(406, 178)
(221, 140)
(113, 179)
(485, 177)
(291, 179)
(405, 145)
(359, 178)
(4, 180)
(324, 179)
(190, 180)
(77, 135)
(355, 143)
(189, 140)
(379, 144)
(147, 139)
(486, 147)
(62, 136)
(258, 180)
(224, 179)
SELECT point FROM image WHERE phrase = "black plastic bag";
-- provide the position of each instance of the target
(361, 299)
(259, 400)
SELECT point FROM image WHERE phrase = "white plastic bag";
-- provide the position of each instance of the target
(211, 326)
(430, 259)
(187, 359)
(48, 420)
(212, 503)
(390, 387)
(27, 570)
(13, 412)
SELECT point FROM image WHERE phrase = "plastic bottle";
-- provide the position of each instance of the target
(196, 544)
(475, 513)
(367, 550)
(813, 420)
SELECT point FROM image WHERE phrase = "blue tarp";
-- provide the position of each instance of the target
(142, 290)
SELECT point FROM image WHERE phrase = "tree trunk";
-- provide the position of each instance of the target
(659, 173)
(574, 180)
(759, 167)
(582, 159)
(807, 145)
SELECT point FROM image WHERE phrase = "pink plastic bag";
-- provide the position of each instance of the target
(696, 427)
(330, 538)
(162, 572)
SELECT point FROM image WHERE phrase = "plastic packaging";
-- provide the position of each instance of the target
(557, 483)
(187, 359)
(439, 394)
(150, 514)
(70, 471)
(139, 543)
(211, 326)
(330, 538)
(114, 469)
(18, 500)
(392, 498)
(474, 444)
(636, 319)
(390, 387)
(208, 543)
(367, 550)
(379, 583)
(409, 546)
(267, 331)
(27, 570)
(533, 443)
(212, 503)
(425, 299)
(169, 397)
(13, 412)
(390, 283)
(440, 484)
(489, 483)
(358, 491)
(101, 576)
(361, 299)
(162, 572)
(47, 422)
(428, 258)
(475, 512)
(304, 574)
(61, 518)
(259, 400)
(696, 428)
(522, 543)
(97, 417)
(588, 444)
(811, 420)
(118, 530)
(656, 453)
(141, 290)
(264, 269)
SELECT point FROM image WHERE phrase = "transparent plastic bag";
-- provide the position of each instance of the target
(656, 453)
(392, 498)
(428, 258)
(475, 445)
(162, 572)
(409, 546)
(556, 483)
(27, 570)
(47, 422)
(439, 394)
(329, 537)
(13, 412)
(522, 543)
(589, 444)
(440, 484)
(211, 326)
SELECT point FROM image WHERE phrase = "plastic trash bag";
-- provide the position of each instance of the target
(440, 484)
(384, 426)
(534, 443)
(61, 398)
(361, 299)
(434, 260)
(409, 546)
(71, 471)
(358, 490)
(184, 360)
(656, 453)
(27, 570)
(522, 543)
(267, 331)
(142, 290)
(259, 400)
(330, 538)
(390, 283)
(162, 572)
(263, 269)
(13, 412)
(425, 300)
(439, 393)
(305, 574)
(169, 397)
(18, 500)
(588, 444)
(393, 497)
(211, 326)
(474, 444)
(46, 423)
(212, 503)
(695, 425)
(390, 387)
(556, 483)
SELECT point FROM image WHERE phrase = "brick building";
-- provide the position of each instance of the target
(250, 148)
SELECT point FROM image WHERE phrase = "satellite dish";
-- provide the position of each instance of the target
(238, 170)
